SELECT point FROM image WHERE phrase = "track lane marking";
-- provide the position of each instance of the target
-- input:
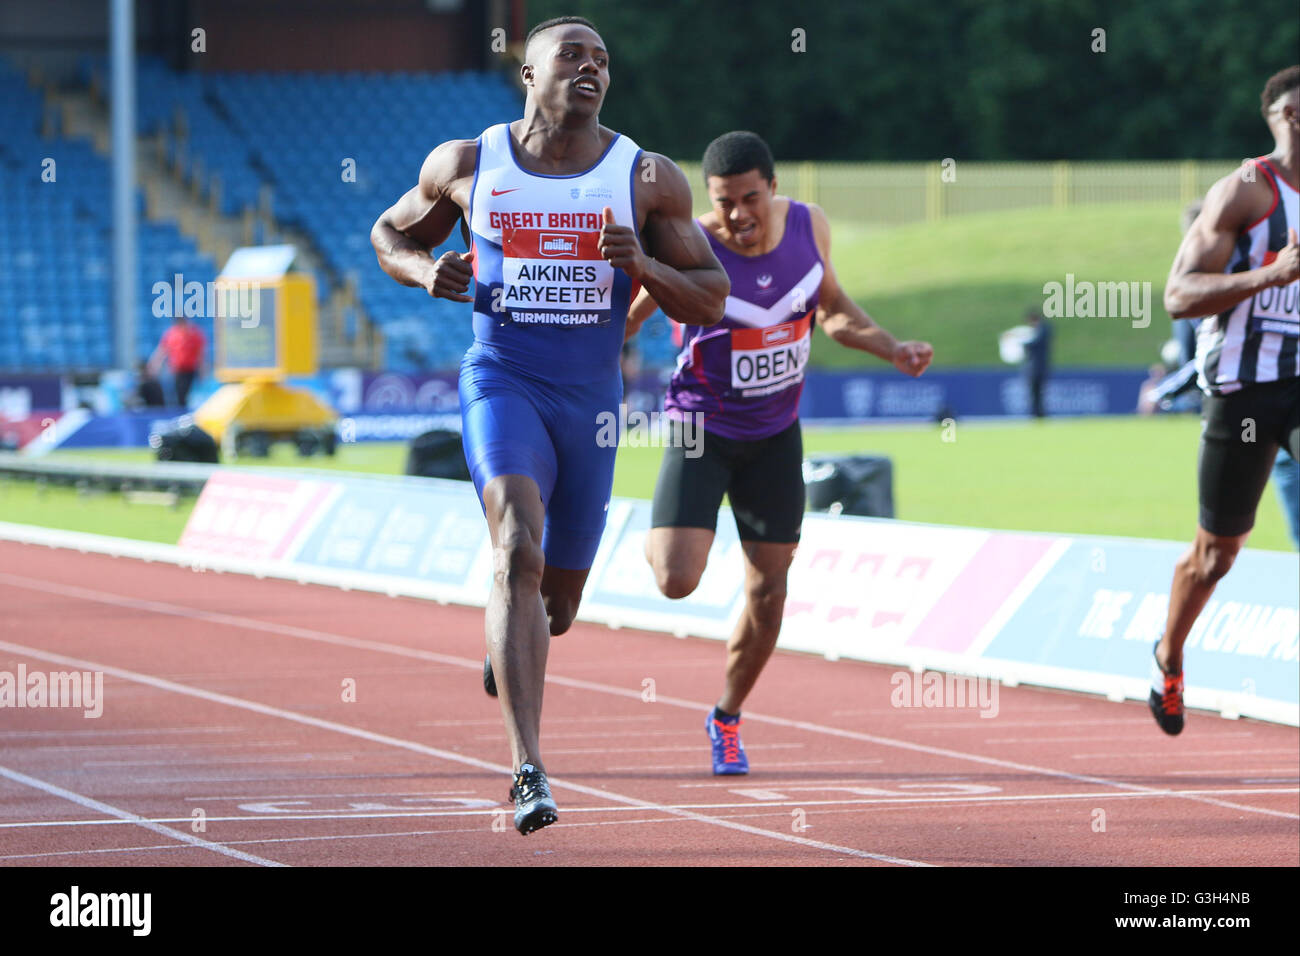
(36, 584)
(125, 816)
(973, 799)
(322, 724)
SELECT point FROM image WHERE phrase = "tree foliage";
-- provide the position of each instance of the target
(971, 79)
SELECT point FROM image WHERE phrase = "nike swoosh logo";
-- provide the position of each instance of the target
(502, 192)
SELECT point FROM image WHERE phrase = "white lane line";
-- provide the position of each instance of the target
(899, 800)
(981, 723)
(753, 748)
(767, 765)
(604, 734)
(1228, 771)
(35, 584)
(144, 731)
(977, 721)
(496, 721)
(127, 817)
(1184, 754)
(404, 834)
(269, 711)
(318, 795)
(207, 761)
(1110, 737)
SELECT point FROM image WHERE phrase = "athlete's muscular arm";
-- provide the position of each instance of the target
(846, 322)
(681, 272)
(1197, 285)
(425, 217)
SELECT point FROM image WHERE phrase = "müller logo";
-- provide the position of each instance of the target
(777, 335)
(558, 244)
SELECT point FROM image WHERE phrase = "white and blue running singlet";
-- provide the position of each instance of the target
(542, 378)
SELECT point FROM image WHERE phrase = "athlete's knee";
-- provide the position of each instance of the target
(766, 598)
(560, 612)
(676, 583)
(1211, 561)
(517, 560)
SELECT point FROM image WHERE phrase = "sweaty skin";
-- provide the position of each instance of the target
(566, 77)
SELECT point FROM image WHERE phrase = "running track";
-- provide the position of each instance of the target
(224, 703)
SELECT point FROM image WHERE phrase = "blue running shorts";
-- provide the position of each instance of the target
(514, 423)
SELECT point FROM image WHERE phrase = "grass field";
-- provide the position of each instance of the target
(1132, 477)
(959, 282)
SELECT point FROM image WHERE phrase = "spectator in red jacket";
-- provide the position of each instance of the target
(183, 345)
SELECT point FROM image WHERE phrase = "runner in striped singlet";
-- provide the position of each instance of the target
(1239, 265)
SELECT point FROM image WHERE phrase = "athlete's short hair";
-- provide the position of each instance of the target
(738, 152)
(1283, 81)
(1190, 212)
(556, 22)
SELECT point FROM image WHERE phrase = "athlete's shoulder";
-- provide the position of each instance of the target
(821, 226)
(1240, 198)
(448, 162)
(815, 212)
(657, 164)
(663, 183)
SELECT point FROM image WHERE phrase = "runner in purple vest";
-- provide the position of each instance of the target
(741, 380)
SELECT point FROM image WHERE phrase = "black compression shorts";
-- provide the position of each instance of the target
(763, 479)
(1240, 436)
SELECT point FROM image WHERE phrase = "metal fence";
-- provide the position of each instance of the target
(893, 194)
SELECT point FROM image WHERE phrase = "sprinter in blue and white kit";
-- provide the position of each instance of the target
(549, 314)
(568, 219)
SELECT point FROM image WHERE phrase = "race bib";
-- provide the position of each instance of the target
(767, 360)
(554, 277)
(1274, 310)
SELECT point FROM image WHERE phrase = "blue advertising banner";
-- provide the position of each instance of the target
(433, 531)
(21, 395)
(881, 393)
(1074, 612)
(973, 392)
(1102, 608)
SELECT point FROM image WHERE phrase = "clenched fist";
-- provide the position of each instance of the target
(912, 358)
(451, 277)
(619, 245)
(1287, 264)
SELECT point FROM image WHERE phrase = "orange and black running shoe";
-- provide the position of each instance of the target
(1166, 700)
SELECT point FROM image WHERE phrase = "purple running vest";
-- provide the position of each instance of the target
(745, 374)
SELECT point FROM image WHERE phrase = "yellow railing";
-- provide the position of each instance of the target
(901, 193)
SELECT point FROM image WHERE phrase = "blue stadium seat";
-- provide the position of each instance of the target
(291, 132)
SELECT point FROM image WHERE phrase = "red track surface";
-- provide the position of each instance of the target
(224, 694)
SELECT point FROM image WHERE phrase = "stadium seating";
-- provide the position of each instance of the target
(56, 248)
(335, 149)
